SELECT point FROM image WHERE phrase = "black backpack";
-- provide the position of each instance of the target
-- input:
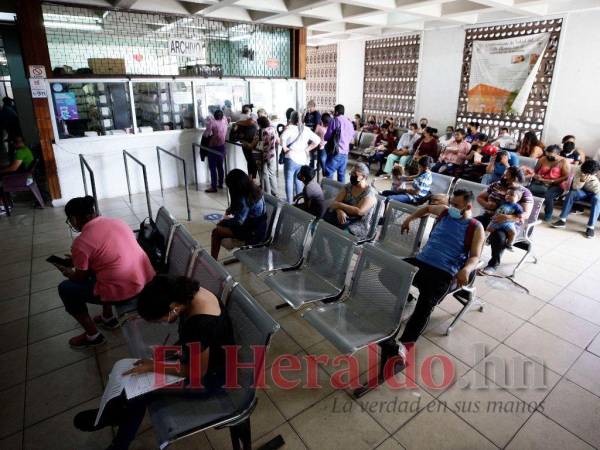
(153, 244)
(332, 145)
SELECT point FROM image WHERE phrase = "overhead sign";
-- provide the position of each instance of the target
(37, 72)
(38, 88)
(186, 47)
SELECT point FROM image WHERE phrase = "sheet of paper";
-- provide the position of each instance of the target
(114, 386)
(136, 385)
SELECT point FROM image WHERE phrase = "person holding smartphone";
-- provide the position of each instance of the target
(106, 266)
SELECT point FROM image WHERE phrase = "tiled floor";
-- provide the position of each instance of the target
(553, 330)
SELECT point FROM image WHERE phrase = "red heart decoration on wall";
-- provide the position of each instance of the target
(138, 57)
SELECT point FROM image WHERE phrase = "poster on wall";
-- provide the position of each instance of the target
(66, 105)
(503, 72)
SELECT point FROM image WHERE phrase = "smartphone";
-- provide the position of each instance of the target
(58, 261)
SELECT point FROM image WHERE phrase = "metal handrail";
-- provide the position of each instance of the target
(84, 165)
(162, 192)
(214, 152)
(145, 175)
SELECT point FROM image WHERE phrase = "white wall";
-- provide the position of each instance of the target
(105, 156)
(574, 106)
(439, 76)
(350, 75)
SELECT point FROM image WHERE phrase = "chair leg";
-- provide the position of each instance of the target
(524, 258)
(466, 306)
(33, 187)
(241, 435)
(389, 350)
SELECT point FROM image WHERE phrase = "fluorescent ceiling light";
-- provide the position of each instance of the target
(74, 26)
(71, 19)
(7, 17)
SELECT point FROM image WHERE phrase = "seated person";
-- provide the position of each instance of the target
(203, 321)
(426, 145)
(585, 187)
(108, 266)
(22, 160)
(549, 181)
(371, 125)
(398, 181)
(505, 141)
(449, 136)
(453, 156)
(420, 187)
(404, 150)
(312, 194)
(354, 205)
(511, 208)
(450, 255)
(246, 218)
(385, 143)
(570, 152)
(497, 166)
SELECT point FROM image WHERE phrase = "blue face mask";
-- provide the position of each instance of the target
(454, 212)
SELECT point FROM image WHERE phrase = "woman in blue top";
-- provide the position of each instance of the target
(246, 218)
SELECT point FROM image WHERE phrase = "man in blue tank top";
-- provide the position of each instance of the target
(451, 254)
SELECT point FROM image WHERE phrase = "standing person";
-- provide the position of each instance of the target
(453, 156)
(312, 194)
(341, 132)
(108, 266)
(245, 132)
(321, 153)
(216, 130)
(267, 141)
(246, 218)
(531, 147)
(404, 150)
(585, 187)
(297, 141)
(312, 118)
(549, 180)
(9, 119)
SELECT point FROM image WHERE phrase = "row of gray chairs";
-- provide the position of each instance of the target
(175, 416)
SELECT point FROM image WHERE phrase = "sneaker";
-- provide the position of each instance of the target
(85, 420)
(559, 224)
(509, 247)
(110, 324)
(82, 341)
(210, 191)
(589, 233)
(489, 270)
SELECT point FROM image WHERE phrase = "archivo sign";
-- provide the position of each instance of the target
(186, 47)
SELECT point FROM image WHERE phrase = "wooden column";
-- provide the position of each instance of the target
(299, 53)
(34, 47)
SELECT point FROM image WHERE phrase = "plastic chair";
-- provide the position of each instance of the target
(287, 246)
(476, 188)
(175, 416)
(323, 275)
(392, 239)
(21, 182)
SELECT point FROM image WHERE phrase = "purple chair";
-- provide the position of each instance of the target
(21, 182)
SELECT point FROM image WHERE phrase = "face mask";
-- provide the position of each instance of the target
(454, 212)
(448, 134)
(423, 125)
(353, 179)
(372, 122)
(551, 158)
(411, 132)
(504, 182)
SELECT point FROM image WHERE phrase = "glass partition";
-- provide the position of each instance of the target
(227, 95)
(163, 106)
(275, 96)
(91, 109)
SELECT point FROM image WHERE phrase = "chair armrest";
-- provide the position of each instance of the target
(16, 179)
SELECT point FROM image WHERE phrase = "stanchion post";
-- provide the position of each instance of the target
(84, 165)
(144, 174)
(185, 181)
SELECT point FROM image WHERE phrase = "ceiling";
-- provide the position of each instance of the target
(329, 21)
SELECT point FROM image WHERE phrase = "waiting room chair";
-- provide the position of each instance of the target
(331, 189)
(372, 310)
(524, 240)
(287, 246)
(165, 223)
(467, 298)
(528, 162)
(476, 188)
(175, 417)
(211, 275)
(441, 184)
(323, 275)
(20, 182)
(182, 252)
(392, 239)
(377, 214)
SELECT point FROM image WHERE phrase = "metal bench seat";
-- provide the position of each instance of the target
(323, 275)
(392, 239)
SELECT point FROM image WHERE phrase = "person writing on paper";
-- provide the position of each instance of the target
(202, 320)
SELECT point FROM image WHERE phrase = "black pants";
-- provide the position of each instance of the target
(251, 162)
(433, 284)
(497, 238)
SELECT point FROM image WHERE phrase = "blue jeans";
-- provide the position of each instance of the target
(578, 196)
(290, 173)
(391, 195)
(337, 164)
(550, 194)
(76, 294)
(322, 155)
(215, 165)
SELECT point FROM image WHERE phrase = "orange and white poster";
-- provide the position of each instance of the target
(503, 72)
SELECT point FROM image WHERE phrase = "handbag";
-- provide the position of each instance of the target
(153, 244)
(332, 145)
(282, 154)
(203, 144)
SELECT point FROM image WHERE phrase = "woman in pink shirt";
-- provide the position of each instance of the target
(216, 129)
(107, 266)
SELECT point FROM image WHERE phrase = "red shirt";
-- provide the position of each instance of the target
(108, 248)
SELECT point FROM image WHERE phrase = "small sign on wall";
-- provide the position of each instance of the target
(38, 88)
(186, 47)
(37, 71)
(272, 63)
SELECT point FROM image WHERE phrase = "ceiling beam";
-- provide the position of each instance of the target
(123, 4)
(222, 4)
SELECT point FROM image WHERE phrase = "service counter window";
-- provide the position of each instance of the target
(163, 106)
(91, 109)
(275, 96)
(227, 95)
